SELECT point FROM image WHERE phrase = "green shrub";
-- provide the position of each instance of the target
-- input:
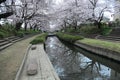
(70, 30)
(6, 30)
(68, 37)
(89, 30)
(29, 31)
(9, 30)
(20, 34)
(2, 35)
(106, 31)
(39, 39)
(32, 31)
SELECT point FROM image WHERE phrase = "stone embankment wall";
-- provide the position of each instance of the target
(100, 51)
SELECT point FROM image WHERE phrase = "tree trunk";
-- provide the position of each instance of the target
(31, 28)
(75, 24)
(35, 27)
(25, 26)
(99, 25)
(18, 26)
(75, 27)
(64, 25)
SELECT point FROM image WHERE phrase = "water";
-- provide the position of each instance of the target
(73, 63)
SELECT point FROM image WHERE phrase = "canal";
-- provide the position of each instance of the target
(73, 63)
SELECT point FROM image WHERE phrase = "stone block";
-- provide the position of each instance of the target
(33, 47)
(32, 69)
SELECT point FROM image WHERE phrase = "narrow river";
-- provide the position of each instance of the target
(73, 63)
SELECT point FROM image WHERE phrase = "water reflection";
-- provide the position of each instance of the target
(73, 65)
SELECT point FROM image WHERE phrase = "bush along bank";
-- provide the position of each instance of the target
(39, 39)
(21, 33)
(8, 30)
(68, 37)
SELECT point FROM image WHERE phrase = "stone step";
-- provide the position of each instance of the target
(11, 37)
(113, 38)
(109, 38)
(4, 43)
(5, 46)
(10, 40)
(17, 40)
(2, 40)
(7, 42)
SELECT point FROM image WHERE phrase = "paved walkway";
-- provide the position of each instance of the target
(45, 68)
(11, 58)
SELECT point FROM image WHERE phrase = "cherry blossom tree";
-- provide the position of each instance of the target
(56, 14)
(98, 8)
(5, 8)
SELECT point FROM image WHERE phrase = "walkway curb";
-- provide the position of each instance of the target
(22, 64)
(99, 51)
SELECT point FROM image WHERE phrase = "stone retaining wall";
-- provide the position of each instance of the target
(100, 51)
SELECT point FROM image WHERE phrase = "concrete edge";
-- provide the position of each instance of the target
(22, 64)
(55, 75)
(99, 51)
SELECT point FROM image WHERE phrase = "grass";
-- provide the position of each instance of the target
(39, 39)
(103, 44)
(68, 37)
